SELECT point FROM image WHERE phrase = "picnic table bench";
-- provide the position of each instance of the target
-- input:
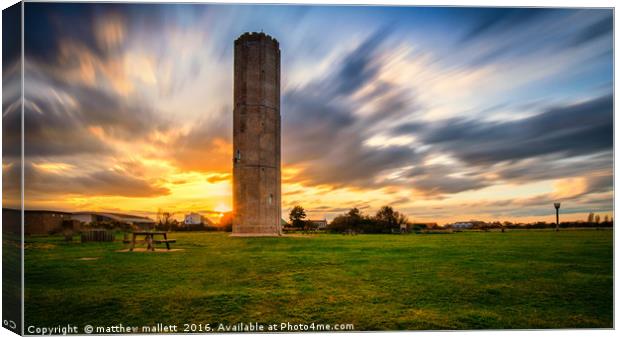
(149, 238)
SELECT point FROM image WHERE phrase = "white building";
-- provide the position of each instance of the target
(318, 224)
(462, 225)
(193, 219)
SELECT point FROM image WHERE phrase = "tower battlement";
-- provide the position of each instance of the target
(257, 36)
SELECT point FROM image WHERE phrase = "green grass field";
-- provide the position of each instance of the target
(470, 280)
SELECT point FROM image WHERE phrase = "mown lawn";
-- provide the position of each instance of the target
(517, 279)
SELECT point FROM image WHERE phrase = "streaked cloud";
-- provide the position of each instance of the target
(445, 113)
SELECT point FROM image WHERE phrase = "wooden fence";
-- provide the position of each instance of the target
(97, 235)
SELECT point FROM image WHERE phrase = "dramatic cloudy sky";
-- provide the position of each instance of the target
(444, 113)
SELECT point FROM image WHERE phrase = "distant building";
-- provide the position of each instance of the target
(45, 222)
(318, 224)
(193, 219)
(51, 222)
(461, 225)
(104, 217)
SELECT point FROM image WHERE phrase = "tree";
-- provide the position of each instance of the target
(164, 217)
(339, 223)
(597, 218)
(606, 218)
(165, 220)
(297, 216)
(355, 213)
(352, 220)
(401, 219)
(386, 215)
(591, 218)
(384, 221)
(388, 219)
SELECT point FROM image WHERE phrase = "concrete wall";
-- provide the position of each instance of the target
(256, 136)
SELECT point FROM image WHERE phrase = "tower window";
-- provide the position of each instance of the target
(237, 156)
(270, 199)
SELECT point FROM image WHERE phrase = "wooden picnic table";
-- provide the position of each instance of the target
(149, 237)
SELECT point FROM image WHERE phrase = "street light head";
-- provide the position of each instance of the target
(557, 205)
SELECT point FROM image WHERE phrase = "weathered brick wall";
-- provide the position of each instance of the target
(256, 136)
(44, 222)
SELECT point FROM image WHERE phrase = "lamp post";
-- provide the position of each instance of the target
(557, 216)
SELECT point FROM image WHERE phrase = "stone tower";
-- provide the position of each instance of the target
(256, 136)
